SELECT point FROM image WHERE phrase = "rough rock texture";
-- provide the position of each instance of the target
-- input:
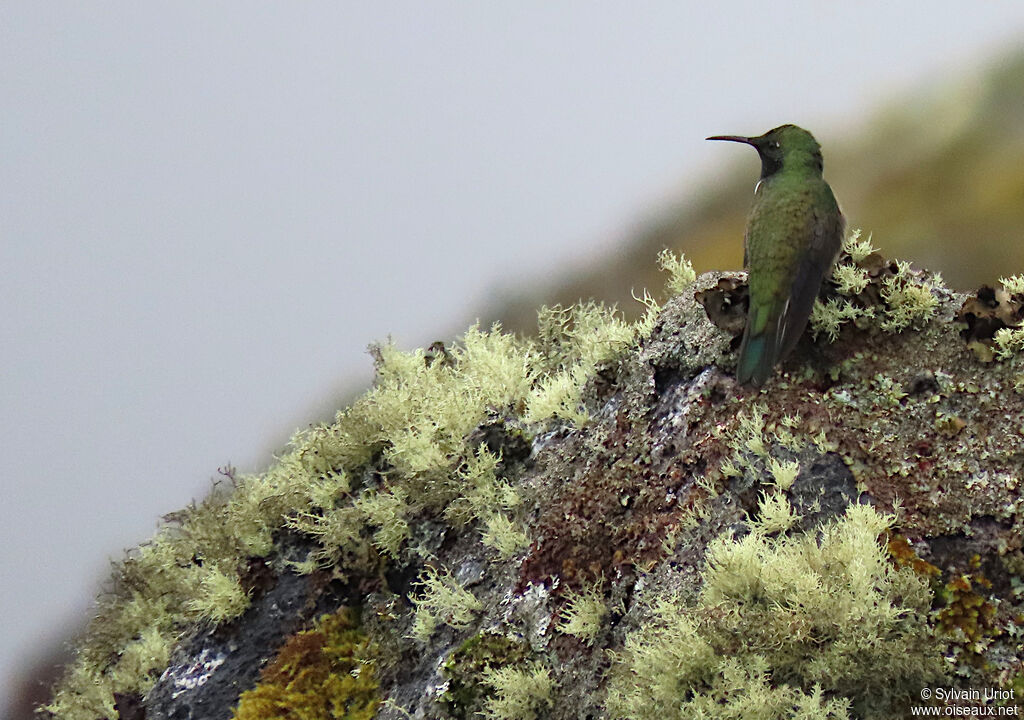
(624, 507)
(211, 668)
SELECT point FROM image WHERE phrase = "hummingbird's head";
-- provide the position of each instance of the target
(784, 147)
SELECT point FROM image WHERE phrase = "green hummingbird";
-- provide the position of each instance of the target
(794, 233)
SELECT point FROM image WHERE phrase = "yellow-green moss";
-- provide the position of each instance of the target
(319, 674)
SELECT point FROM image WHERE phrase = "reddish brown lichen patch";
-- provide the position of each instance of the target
(614, 512)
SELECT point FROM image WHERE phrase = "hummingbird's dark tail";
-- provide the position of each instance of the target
(761, 346)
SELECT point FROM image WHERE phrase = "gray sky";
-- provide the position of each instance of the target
(207, 210)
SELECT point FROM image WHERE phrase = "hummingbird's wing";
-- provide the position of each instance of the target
(826, 237)
(777, 318)
(759, 349)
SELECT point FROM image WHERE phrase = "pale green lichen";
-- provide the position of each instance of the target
(387, 512)
(145, 657)
(750, 440)
(412, 428)
(401, 451)
(729, 468)
(1009, 342)
(559, 396)
(217, 596)
(783, 472)
(680, 271)
(483, 492)
(338, 532)
(419, 413)
(888, 392)
(645, 325)
(850, 279)
(775, 514)
(750, 433)
(518, 693)
(87, 692)
(818, 613)
(909, 301)
(578, 340)
(828, 318)
(506, 537)
(441, 600)
(583, 613)
(1013, 284)
(856, 248)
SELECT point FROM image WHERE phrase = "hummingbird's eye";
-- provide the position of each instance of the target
(775, 144)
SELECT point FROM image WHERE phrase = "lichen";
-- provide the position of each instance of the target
(386, 512)
(401, 451)
(466, 688)
(680, 271)
(583, 613)
(577, 340)
(1009, 342)
(1013, 284)
(441, 600)
(783, 622)
(867, 290)
(218, 596)
(517, 693)
(503, 536)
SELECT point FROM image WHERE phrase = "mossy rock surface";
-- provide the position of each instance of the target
(467, 503)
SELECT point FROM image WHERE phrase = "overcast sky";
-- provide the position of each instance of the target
(208, 209)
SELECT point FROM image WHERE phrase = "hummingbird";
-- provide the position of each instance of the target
(794, 233)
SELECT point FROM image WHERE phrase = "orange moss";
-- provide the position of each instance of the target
(968, 615)
(318, 674)
(904, 556)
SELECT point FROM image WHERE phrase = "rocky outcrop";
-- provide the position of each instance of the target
(599, 523)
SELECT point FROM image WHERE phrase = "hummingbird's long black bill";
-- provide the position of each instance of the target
(732, 138)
